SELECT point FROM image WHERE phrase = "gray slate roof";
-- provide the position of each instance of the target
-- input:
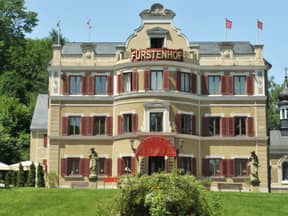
(206, 48)
(40, 115)
(103, 48)
(278, 143)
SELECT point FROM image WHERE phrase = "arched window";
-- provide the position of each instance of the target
(285, 171)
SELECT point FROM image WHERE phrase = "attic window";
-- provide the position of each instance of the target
(157, 42)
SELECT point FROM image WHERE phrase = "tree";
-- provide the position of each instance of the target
(53, 36)
(20, 177)
(31, 176)
(273, 100)
(15, 21)
(40, 177)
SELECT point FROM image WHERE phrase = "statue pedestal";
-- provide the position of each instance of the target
(93, 185)
(254, 188)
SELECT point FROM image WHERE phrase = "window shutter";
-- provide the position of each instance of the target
(109, 85)
(45, 165)
(165, 80)
(194, 83)
(205, 126)
(65, 83)
(205, 167)
(250, 85)
(85, 85)
(204, 85)
(120, 166)
(119, 124)
(133, 165)
(134, 122)
(178, 122)
(63, 167)
(178, 81)
(89, 125)
(147, 80)
(119, 84)
(45, 140)
(250, 126)
(108, 167)
(134, 81)
(224, 126)
(229, 164)
(83, 126)
(90, 85)
(193, 165)
(85, 166)
(193, 119)
(248, 167)
(179, 162)
(222, 167)
(231, 126)
(65, 126)
(109, 126)
(227, 85)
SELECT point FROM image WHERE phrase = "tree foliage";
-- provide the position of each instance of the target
(20, 176)
(273, 109)
(31, 180)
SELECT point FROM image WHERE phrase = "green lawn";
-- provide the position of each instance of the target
(39, 202)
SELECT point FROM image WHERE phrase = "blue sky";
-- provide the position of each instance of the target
(204, 20)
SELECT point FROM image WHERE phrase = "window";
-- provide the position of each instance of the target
(240, 125)
(75, 85)
(126, 165)
(241, 167)
(239, 85)
(185, 163)
(156, 42)
(156, 80)
(101, 166)
(185, 82)
(99, 125)
(100, 85)
(214, 167)
(214, 126)
(156, 121)
(285, 171)
(127, 123)
(186, 126)
(73, 166)
(127, 82)
(74, 125)
(214, 84)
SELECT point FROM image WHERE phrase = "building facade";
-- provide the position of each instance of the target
(279, 146)
(155, 102)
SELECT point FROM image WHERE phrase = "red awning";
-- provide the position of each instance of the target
(156, 146)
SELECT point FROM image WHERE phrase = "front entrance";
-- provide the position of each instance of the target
(156, 164)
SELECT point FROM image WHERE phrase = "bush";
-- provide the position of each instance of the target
(31, 181)
(40, 177)
(166, 194)
(52, 180)
(20, 177)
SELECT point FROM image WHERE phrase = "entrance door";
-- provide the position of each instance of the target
(156, 164)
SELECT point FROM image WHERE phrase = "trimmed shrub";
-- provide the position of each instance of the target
(166, 194)
(40, 177)
(31, 180)
(20, 177)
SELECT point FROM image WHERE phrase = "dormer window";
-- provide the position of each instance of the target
(157, 42)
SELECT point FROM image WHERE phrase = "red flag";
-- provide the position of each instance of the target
(259, 25)
(228, 24)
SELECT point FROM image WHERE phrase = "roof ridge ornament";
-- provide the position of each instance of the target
(157, 10)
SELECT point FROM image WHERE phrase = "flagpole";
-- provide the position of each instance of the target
(58, 32)
(225, 29)
(257, 32)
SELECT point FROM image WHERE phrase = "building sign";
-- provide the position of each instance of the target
(157, 54)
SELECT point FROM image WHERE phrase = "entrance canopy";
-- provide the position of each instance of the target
(156, 146)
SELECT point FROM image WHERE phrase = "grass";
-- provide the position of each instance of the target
(254, 204)
(30, 201)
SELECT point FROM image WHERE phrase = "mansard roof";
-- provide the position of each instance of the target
(40, 115)
(206, 48)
